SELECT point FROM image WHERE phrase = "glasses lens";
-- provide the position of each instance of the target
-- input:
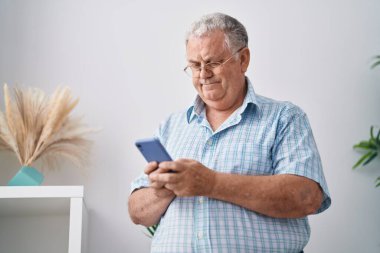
(188, 72)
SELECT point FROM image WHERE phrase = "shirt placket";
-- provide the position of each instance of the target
(201, 205)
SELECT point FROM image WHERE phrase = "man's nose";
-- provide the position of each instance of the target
(205, 73)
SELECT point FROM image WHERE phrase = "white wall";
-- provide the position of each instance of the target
(124, 60)
(35, 230)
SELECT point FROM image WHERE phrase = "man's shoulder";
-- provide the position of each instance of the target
(172, 125)
(278, 107)
(178, 116)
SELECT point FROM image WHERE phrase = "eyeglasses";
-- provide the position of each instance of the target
(194, 70)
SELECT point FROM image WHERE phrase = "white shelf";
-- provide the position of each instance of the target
(41, 192)
(56, 212)
(37, 206)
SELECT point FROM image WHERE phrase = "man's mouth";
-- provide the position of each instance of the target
(210, 86)
(204, 82)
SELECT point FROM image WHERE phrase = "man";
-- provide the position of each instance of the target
(246, 172)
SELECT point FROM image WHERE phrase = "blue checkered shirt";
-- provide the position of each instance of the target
(262, 137)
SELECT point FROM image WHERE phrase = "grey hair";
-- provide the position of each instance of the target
(236, 36)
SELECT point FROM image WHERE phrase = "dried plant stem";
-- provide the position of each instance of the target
(35, 126)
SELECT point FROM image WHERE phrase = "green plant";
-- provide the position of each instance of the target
(377, 61)
(152, 230)
(372, 146)
(372, 149)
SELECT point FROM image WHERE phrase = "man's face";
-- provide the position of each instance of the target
(222, 88)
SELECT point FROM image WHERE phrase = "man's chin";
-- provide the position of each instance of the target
(211, 96)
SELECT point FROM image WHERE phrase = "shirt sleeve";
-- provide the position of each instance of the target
(142, 181)
(295, 151)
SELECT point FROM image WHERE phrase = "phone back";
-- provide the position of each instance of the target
(153, 150)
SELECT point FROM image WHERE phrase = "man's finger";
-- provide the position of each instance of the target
(152, 166)
(163, 170)
(164, 177)
(169, 166)
(157, 185)
(170, 187)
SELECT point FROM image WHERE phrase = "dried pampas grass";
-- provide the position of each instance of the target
(37, 127)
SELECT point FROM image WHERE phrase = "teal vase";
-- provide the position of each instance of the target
(27, 176)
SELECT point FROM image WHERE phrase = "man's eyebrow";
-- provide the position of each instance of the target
(207, 59)
(192, 61)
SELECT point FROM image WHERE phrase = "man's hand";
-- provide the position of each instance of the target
(184, 177)
(158, 187)
(147, 205)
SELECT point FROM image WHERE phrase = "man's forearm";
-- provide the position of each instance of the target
(146, 207)
(280, 196)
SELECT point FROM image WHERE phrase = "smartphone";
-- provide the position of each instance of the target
(153, 150)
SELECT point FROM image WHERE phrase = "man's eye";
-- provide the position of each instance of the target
(195, 66)
(213, 64)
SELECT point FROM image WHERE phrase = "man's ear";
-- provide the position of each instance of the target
(245, 56)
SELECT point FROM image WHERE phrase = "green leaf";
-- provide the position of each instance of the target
(378, 137)
(371, 133)
(373, 155)
(377, 62)
(373, 143)
(150, 231)
(365, 156)
(367, 145)
(378, 182)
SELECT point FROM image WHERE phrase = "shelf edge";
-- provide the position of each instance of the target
(41, 191)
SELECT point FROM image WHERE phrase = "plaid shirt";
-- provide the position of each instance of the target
(262, 137)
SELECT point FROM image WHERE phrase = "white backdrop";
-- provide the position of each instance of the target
(124, 60)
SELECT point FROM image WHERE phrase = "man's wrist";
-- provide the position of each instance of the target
(213, 183)
(164, 193)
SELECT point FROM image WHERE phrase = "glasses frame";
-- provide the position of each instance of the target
(211, 66)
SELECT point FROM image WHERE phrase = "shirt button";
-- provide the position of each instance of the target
(209, 142)
(200, 200)
(200, 235)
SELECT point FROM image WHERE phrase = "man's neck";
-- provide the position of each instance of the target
(218, 112)
(216, 117)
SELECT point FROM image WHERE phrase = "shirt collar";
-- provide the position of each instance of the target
(196, 109)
